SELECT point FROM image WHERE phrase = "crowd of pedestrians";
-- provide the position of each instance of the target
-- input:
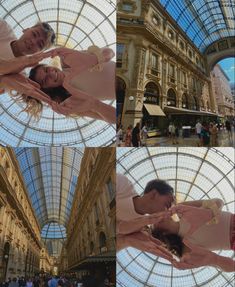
(56, 281)
(207, 133)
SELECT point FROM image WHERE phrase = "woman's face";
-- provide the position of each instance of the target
(49, 77)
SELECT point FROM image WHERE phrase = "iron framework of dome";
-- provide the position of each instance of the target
(78, 24)
(204, 21)
(50, 176)
(194, 173)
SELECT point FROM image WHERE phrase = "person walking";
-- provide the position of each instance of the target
(136, 135)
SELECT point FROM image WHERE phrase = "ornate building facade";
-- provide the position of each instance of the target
(90, 244)
(19, 230)
(222, 92)
(161, 74)
(46, 261)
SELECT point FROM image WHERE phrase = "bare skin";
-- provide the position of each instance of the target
(80, 103)
(32, 41)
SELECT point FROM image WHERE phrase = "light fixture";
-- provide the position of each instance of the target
(144, 99)
(168, 103)
(131, 98)
(6, 256)
(184, 106)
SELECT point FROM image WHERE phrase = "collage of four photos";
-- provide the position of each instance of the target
(117, 143)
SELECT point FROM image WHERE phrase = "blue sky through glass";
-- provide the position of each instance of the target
(228, 65)
(204, 21)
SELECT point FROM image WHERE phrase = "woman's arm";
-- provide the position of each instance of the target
(85, 109)
(82, 104)
(199, 203)
(198, 257)
(144, 242)
(24, 85)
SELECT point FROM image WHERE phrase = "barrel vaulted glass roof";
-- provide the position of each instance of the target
(53, 236)
(50, 176)
(194, 173)
(78, 24)
(204, 21)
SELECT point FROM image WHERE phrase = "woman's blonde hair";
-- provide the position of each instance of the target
(33, 107)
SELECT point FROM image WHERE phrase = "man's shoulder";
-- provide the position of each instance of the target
(5, 28)
(4, 24)
(125, 187)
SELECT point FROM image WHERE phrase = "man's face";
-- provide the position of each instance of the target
(158, 202)
(32, 41)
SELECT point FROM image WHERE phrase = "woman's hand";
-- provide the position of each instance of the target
(16, 65)
(143, 241)
(197, 257)
(58, 52)
(24, 85)
(195, 216)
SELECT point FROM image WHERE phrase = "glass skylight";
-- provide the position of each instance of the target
(78, 25)
(53, 236)
(194, 173)
(204, 21)
(50, 177)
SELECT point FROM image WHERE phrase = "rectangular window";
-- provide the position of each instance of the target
(171, 70)
(127, 7)
(111, 191)
(184, 78)
(96, 212)
(154, 61)
(120, 52)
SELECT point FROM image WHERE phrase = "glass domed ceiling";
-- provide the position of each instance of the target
(204, 21)
(78, 24)
(194, 173)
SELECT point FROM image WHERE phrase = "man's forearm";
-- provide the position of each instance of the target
(225, 263)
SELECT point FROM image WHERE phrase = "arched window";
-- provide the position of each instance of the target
(102, 241)
(185, 104)
(91, 247)
(171, 98)
(151, 94)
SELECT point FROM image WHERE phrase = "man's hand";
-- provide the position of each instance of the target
(195, 216)
(23, 85)
(130, 226)
(18, 64)
(145, 242)
(197, 257)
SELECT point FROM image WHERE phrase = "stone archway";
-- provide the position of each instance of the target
(221, 49)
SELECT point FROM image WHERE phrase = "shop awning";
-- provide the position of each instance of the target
(154, 110)
(177, 111)
(107, 257)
